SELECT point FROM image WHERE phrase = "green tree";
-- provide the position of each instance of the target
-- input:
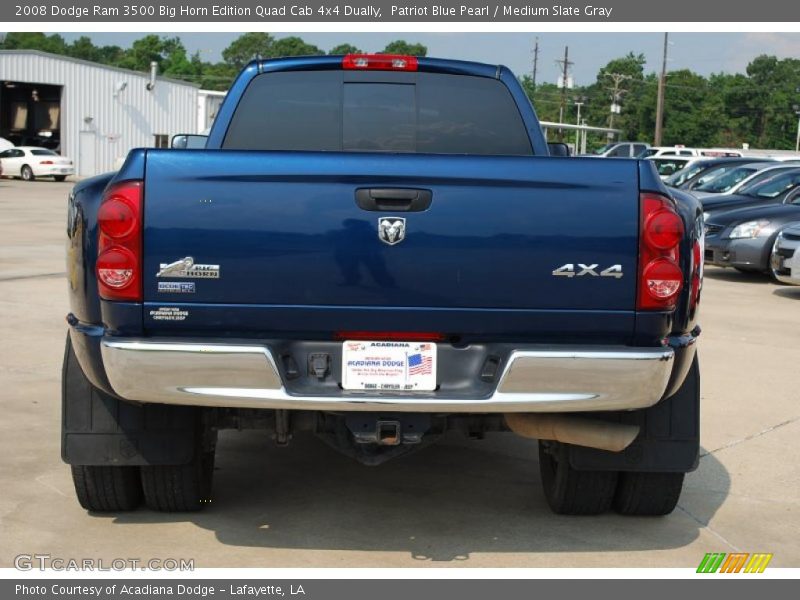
(111, 55)
(621, 82)
(631, 65)
(544, 98)
(403, 47)
(217, 76)
(769, 97)
(84, 49)
(143, 51)
(246, 47)
(686, 95)
(345, 49)
(732, 92)
(175, 61)
(292, 46)
(29, 40)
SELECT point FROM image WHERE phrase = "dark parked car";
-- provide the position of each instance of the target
(702, 171)
(771, 191)
(743, 238)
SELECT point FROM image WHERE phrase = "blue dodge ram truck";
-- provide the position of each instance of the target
(380, 249)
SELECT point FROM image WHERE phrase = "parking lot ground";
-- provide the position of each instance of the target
(457, 503)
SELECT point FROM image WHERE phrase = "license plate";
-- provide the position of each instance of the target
(389, 366)
(65, 170)
(777, 261)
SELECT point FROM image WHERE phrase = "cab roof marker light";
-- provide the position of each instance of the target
(379, 62)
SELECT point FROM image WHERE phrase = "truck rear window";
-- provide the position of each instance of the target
(361, 112)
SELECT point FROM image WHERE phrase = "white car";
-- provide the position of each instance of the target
(785, 259)
(30, 162)
(655, 151)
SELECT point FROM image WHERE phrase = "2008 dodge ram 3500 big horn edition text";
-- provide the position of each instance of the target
(380, 249)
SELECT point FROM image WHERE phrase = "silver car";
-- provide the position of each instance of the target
(785, 259)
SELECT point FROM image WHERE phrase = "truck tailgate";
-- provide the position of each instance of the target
(284, 231)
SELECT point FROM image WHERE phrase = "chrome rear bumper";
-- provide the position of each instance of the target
(534, 379)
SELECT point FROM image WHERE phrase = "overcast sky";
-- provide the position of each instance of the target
(704, 53)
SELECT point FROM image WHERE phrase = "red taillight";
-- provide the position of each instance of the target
(663, 230)
(660, 276)
(662, 279)
(404, 336)
(119, 248)
(116, 267)
(380, 62)
(117, 217)
(45, 162)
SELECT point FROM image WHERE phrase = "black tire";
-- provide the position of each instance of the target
(569, 491)
(648, 494)
(655, 494)
(107, 489)
(179, 488)
(98, 488)
(60, 177)
(26, 173)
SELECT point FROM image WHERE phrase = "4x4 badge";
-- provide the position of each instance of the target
(391, 230)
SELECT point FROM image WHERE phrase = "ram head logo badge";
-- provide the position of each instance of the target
(392, 230)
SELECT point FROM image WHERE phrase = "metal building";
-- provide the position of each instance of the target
(208, 105)
(90, 112)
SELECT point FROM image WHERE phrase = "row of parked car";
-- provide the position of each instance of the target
(751, 202)
(751, 212)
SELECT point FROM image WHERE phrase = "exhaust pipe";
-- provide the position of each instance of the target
(579, 431)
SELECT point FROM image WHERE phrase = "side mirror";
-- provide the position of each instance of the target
(558, 149)
(188, 141)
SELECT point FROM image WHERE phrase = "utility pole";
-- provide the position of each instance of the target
(662, 82)
(565, 65)
(797, 141)
(535, 62)
(617, 91)
(578, 122)
(796, 108)
(583, 138)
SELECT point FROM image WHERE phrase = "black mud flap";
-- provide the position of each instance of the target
(669, 440)
(98, 429)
